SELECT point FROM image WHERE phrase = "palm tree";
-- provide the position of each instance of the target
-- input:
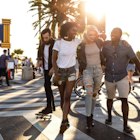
(138, 54)
(54, 12)
(17, 52)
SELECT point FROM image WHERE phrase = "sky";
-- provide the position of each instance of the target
(21, 29)
(119, 13)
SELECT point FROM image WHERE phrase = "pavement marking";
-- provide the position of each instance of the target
(1, 138)
(31, 97)
(101, 115)
(52, 127)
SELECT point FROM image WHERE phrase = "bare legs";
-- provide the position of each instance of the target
(67, 91)
(125, 110)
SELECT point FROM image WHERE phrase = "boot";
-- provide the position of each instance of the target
(89, 123)
(53, 107)
(92, 123)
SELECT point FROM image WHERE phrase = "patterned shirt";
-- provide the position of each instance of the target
(117, 59)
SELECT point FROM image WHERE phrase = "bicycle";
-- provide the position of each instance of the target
(79, 87)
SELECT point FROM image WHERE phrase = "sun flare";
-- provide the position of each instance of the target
(95, 8)
(117, 14)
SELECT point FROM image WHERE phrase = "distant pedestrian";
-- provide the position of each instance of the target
(16, 64)
(3, 67)
(117, 54)
(12, 66)
(45, 60)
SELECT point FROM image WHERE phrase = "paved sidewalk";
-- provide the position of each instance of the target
(19, 105)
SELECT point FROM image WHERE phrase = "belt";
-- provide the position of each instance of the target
(66, 69)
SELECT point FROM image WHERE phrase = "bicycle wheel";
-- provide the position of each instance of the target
(79, 87)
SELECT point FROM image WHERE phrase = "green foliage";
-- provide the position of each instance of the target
(17, 52)
(138, 54)
(52, 13)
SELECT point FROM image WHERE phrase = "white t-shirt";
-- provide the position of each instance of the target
(46, 56)
(16, 61)
(66, 52)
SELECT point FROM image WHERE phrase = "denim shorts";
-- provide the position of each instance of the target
(131, 67)
(67, 74)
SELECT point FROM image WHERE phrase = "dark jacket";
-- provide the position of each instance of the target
(82, 57)
(41, 53)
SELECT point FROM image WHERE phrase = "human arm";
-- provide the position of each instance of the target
(55, 67)
(103, 59)
(54, 62)
(40, 56)
(137, 63)
(51, 71)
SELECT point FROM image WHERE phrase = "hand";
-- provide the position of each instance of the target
(56, 79)
(51, 71)
(39, 63)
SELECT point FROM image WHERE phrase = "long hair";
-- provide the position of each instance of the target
(90, 28)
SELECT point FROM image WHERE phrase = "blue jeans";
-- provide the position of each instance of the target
(92, 77)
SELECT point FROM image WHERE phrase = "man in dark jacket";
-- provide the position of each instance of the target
(3, 67)
(45, 59)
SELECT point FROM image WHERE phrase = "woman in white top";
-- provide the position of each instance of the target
(64, 60)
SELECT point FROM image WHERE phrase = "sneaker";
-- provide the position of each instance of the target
(127, 130)
(108, 122)
(46, 111)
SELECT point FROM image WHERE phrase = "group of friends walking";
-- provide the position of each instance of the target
(95, 56)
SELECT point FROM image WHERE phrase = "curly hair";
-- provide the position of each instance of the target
(66, 27)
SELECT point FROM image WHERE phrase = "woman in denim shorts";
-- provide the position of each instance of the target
(89, 58)
(64, 60)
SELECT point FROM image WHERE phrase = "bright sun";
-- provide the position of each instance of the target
(117, 14)
(95, 8)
